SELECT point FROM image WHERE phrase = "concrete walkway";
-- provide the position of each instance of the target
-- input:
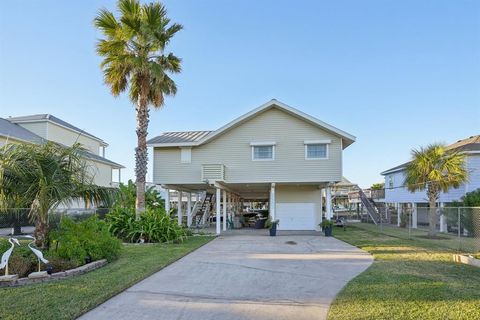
(244, 277)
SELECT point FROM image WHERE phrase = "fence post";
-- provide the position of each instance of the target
(414, 215)
(410, 225)
(458, 228)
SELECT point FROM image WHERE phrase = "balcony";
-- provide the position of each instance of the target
(214, 172)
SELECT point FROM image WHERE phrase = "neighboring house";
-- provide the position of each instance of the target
(274, 153)
(44, 127)
(396, 195)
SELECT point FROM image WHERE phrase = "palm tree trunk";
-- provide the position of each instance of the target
(433, 194)
(141, 155)
(40, 233)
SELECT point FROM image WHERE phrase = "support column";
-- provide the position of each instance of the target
(328, 203)
(414, 215)
(224, 210)
(167, 201)
(217, 209)
(321, 210)
(273, 202)
(399, 216)
(189, 209)
(230, 206)
(179, 208)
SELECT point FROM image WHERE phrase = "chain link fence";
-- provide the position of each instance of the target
(456, 228)
(17, 220)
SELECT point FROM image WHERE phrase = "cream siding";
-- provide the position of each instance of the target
(102, 173)
(3, 141)
(39, 128)
(69, 137)
(233, 149)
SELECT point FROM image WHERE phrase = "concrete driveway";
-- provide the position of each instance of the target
(244, 277)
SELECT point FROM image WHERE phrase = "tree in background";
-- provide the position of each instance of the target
(134, 58)
(377, 186)
(435, 169)
(469, 211)
(45, 177)
(127, 195)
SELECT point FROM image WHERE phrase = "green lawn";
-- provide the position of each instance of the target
(450, 241)
(409, 279)
(69, 298)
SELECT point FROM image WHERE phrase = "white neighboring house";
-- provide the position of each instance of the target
(397, 195)
(274, 153)
(45, 127)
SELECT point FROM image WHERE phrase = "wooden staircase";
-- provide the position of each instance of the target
(201, 211)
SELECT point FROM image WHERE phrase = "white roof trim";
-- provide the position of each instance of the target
(272, 103)
(85, 134)
(285, 107)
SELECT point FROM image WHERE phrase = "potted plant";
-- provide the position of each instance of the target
(272, 225)
(327, 227)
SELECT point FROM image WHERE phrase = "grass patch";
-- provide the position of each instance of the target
(409, 279)
(69, 298)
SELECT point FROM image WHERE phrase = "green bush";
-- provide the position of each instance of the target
(154, 225)
(128, 194)
(75, 241)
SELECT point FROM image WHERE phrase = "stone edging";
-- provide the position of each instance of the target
(57, 275)
(466, 260)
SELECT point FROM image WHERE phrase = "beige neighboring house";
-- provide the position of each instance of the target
(275, 153)
(45, 127)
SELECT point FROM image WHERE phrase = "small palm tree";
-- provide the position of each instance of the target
(45, 177)
(134, 58)
(436, 169)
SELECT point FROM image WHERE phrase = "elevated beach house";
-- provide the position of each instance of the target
(274, 154)
(398, 196)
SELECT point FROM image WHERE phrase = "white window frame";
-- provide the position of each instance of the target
(186, 155)
(263, 144)
(311, 142)
(391, 181)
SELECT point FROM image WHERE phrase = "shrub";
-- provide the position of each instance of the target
(154, 225)
(75, 241)
(326, 224)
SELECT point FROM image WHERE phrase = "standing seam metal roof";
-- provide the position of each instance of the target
(179, 137)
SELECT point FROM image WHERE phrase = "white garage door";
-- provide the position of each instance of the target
(296, 216)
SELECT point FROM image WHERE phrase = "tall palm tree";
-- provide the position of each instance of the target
(435, 169)
(46, 176)
(134, 58)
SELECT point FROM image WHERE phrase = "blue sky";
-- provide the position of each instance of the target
(396, 74)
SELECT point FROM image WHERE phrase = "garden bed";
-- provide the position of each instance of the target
(55, 276)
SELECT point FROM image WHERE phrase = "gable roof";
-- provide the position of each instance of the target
(51, 118)
(162, 140)
(470, 144)
(16, 132)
